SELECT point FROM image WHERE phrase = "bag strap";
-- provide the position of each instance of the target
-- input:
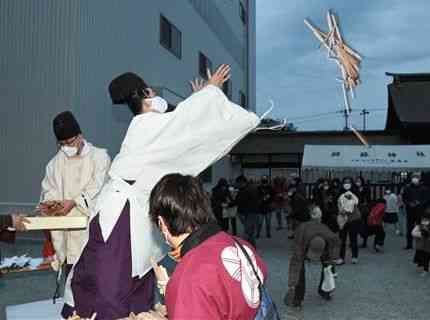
(249, 260)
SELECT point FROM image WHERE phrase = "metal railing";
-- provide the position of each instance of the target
(377, 190)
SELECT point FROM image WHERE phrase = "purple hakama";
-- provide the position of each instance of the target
(102, 280)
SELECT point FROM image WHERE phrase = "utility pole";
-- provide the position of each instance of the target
(364, 113)
(345, 114)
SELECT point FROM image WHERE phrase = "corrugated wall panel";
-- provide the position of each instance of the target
(58, 54)
(35, 75)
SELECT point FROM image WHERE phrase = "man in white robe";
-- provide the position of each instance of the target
(112, 276)
(74, 176)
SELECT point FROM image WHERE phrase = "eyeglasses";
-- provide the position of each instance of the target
(67, 142)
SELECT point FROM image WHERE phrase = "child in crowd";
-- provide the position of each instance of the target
(421, 233)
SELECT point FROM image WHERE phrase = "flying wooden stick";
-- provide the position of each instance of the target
(347, 59)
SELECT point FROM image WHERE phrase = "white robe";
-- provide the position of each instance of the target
(201, 130)
(79, 179)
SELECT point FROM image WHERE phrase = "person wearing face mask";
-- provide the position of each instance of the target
(114, 275)
(213, 278)
(349, 221)
(73, 177)
(414, 198)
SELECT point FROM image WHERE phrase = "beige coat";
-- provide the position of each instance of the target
(79, 179)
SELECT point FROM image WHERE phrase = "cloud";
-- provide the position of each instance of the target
(292, 70)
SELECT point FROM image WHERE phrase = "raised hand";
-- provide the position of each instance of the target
(198, 84)
(221, 75)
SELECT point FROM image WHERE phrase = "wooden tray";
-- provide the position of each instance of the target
(56, 223)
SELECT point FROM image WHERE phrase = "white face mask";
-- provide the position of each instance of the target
(69, 151)
(347, 186)
(415, 180)
(158, 104)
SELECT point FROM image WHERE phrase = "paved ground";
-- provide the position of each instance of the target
(381, 286)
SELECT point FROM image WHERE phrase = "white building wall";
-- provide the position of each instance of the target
(62, 54)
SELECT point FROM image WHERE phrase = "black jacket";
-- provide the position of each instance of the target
(248, 200)
(219, 197)
(266, 195)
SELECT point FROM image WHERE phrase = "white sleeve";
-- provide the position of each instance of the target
(102, 165)
(50, 189)
(203, 129)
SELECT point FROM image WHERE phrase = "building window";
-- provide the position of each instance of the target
(204, 64)
(170, 37)
(226, 87)
(243, 100)
(242, 12)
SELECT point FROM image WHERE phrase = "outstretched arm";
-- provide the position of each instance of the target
(221, 75)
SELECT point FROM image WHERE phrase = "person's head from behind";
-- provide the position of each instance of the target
(130, 89)
(316, 248)
(241, 182)
(222, 183)
(316, 213)
(179, 205)
(381, 200)
(265, 180)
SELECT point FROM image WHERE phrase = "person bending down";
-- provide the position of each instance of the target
(314, 241)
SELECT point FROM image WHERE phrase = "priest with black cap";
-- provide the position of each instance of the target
(73, 178)
(114, 275)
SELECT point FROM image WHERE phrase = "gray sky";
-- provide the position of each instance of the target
(291, 69)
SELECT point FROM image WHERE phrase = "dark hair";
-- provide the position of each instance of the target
(361, 179)
(134, 101)
(381, 200)
(222, 182)
(241, 179)
(345, 179)
(182, 203)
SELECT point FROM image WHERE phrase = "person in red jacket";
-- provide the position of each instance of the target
(376, 226)
(213, 279)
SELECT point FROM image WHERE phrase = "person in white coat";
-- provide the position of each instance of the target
(74, 176)
(113, 275)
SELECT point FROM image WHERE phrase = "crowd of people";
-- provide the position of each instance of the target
(136, 203)
(326, 218)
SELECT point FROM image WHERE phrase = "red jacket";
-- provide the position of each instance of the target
(376, 215)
